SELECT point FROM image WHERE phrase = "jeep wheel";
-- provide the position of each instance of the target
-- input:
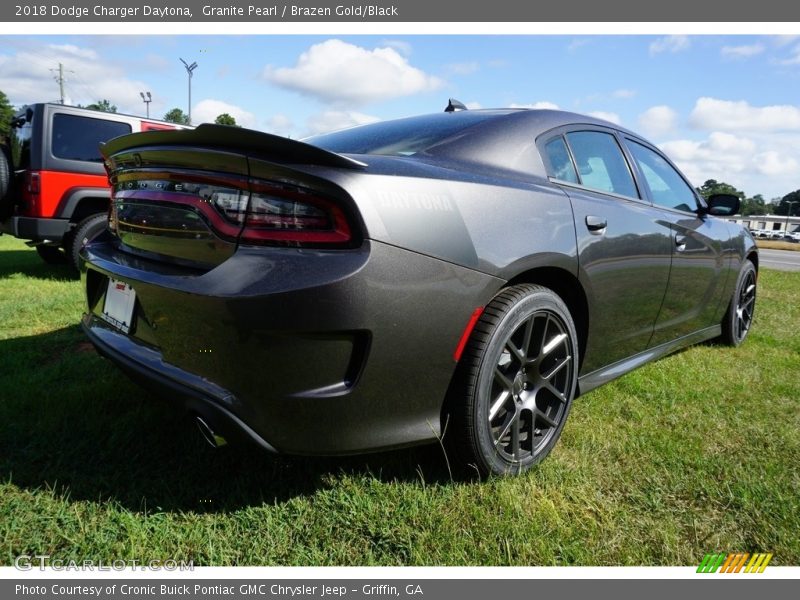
(5, 182)
(85, 232)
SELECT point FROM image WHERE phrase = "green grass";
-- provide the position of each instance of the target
(695, 453)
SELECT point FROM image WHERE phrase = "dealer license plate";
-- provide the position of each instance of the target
(118, 308)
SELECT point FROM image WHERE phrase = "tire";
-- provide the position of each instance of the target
(6, 179)
(739, 317)
(515, 383)
(85, 232)
(5, 172)
(52, 255)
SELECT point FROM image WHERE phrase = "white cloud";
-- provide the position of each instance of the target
(658, 120)
(207, 110)
(473, 105)
(403, 48)
(773, 163)
(794, 58)
(339, 72)
(536, 105)
(767, 166)
(722, 156)
(27, 76)
(726, 115)
(623, 93)
(741, 51)
(280, 124)
(606, 116)
(577, 44)
(671, 44)
(783, 40)
(333, 120)
(464, 68)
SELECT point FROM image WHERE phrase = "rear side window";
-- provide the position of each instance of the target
(21, 132)
(601, 165)
(666, 186)
(561, 166)
(79, 138)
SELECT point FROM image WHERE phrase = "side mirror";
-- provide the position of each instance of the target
(723, 205)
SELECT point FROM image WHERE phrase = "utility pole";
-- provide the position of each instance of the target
(60, 80)
(190, 70)
(789, 214)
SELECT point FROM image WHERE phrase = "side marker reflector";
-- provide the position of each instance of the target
(476, 314)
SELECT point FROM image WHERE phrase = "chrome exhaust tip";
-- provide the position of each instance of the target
(214, 439)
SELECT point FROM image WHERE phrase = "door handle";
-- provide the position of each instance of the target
(595, 223)
(680, 243)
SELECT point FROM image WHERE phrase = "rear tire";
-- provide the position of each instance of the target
(52, 255)
(515, 383)
(6, 176)
(739, 317)
(85, 232)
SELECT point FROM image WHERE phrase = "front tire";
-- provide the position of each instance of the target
(84, 232)
(516, 382)
(739, 316)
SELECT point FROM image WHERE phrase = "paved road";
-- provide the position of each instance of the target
(783, 260)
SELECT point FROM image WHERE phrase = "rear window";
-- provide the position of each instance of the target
(401, 137)
(79, 138)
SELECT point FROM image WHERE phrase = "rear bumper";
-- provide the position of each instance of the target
(301, 351)
(146, 366)
(36, 229)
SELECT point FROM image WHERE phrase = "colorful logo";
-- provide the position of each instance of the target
(734, 563)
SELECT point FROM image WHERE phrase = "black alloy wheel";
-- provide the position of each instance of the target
(518, 376)
(739, 317)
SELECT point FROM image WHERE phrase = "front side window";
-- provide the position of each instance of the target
(79, 138)
(601, 165)
(667, 187)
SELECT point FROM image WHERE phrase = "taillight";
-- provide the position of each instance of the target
(34, 182)
(268, 213)
(294, 215)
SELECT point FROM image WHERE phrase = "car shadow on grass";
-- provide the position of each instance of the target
(71, 423)
(27, 262)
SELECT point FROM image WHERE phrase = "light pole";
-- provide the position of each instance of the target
(789, 214)
(190, 70)
(147, 100)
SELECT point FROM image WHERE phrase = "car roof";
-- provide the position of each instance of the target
(541, 120)
(507, 139)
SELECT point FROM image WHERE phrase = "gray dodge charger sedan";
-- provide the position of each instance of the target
(465, 274)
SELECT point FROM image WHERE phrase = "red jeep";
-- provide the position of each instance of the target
(53, 186)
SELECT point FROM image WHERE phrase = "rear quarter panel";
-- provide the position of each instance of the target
(501, 230)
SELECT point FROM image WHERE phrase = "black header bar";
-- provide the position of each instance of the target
(400, 11)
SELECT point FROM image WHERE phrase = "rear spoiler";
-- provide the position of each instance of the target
(237, 139)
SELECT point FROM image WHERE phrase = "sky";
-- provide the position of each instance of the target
(724, 107)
